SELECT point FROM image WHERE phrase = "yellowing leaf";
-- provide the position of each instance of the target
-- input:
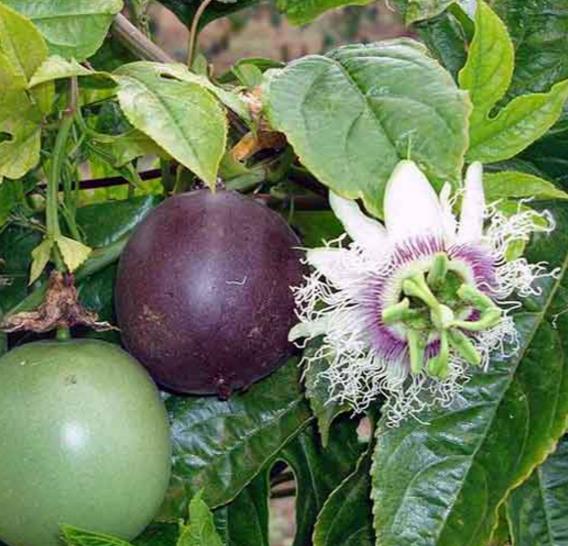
(40, 257)
(21, 42)
(20, 121)
(73, 252)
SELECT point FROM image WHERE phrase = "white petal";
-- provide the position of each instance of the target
(365, 231)
(308, 330)
(473, 206)
(328, 262)
(448, 218)
(412, 207)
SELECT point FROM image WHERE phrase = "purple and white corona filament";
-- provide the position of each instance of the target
(408, 307)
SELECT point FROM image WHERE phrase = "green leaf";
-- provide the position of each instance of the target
(317, 393)
(40, 257)
(316, 227)
(538, 509)
(418, 10)
(346, 518)
(519, 185)
(539, 30)
(229, 98)
(550, 153)
(490, 62)
(182, 117)
(56, 67)
(318, 471)
(74, 536)
(73, 252)
(487, 76)
(300, 12)
(20, 121)
(443, 476)
(21, 43)
(351, 116)
(245, 520)
(72, 28)
(444, 36)
(521, 122)
(11, 195)
(220, 446)
(200, 531)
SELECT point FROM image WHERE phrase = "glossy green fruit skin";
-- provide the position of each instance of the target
(84, 440)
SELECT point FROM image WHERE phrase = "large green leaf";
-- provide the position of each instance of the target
(346, 517)
(220, 446)
(318, 471)
(538, 509)
(245, 520)
(72, 28)
(539, 30)
(183, 118)
(351, 116)
(443, 477)
(301, 12)
(487, 75)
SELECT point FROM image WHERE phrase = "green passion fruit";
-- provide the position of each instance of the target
(84, 441)
(203, 294)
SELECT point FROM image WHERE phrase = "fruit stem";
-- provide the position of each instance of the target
(62, 334)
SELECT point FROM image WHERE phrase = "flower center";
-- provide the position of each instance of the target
(430, 305)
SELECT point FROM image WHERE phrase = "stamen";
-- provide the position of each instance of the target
(397, 312)
(472, 295)
(489, 318)
(416, 347)
(464, 346)
(439, 366)
(417, 287)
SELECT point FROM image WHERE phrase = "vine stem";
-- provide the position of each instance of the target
(136, 42)
(54, 174)
(194, 32)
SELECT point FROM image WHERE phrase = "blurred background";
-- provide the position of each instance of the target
(262, 32)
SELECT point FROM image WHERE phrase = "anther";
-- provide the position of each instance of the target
(465, 348)
(416, 346)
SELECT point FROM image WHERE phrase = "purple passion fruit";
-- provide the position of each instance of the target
(203, 292)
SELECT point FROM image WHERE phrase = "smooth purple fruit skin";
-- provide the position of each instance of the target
(203, 294)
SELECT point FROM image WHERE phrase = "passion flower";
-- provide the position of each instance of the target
(407, 308)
